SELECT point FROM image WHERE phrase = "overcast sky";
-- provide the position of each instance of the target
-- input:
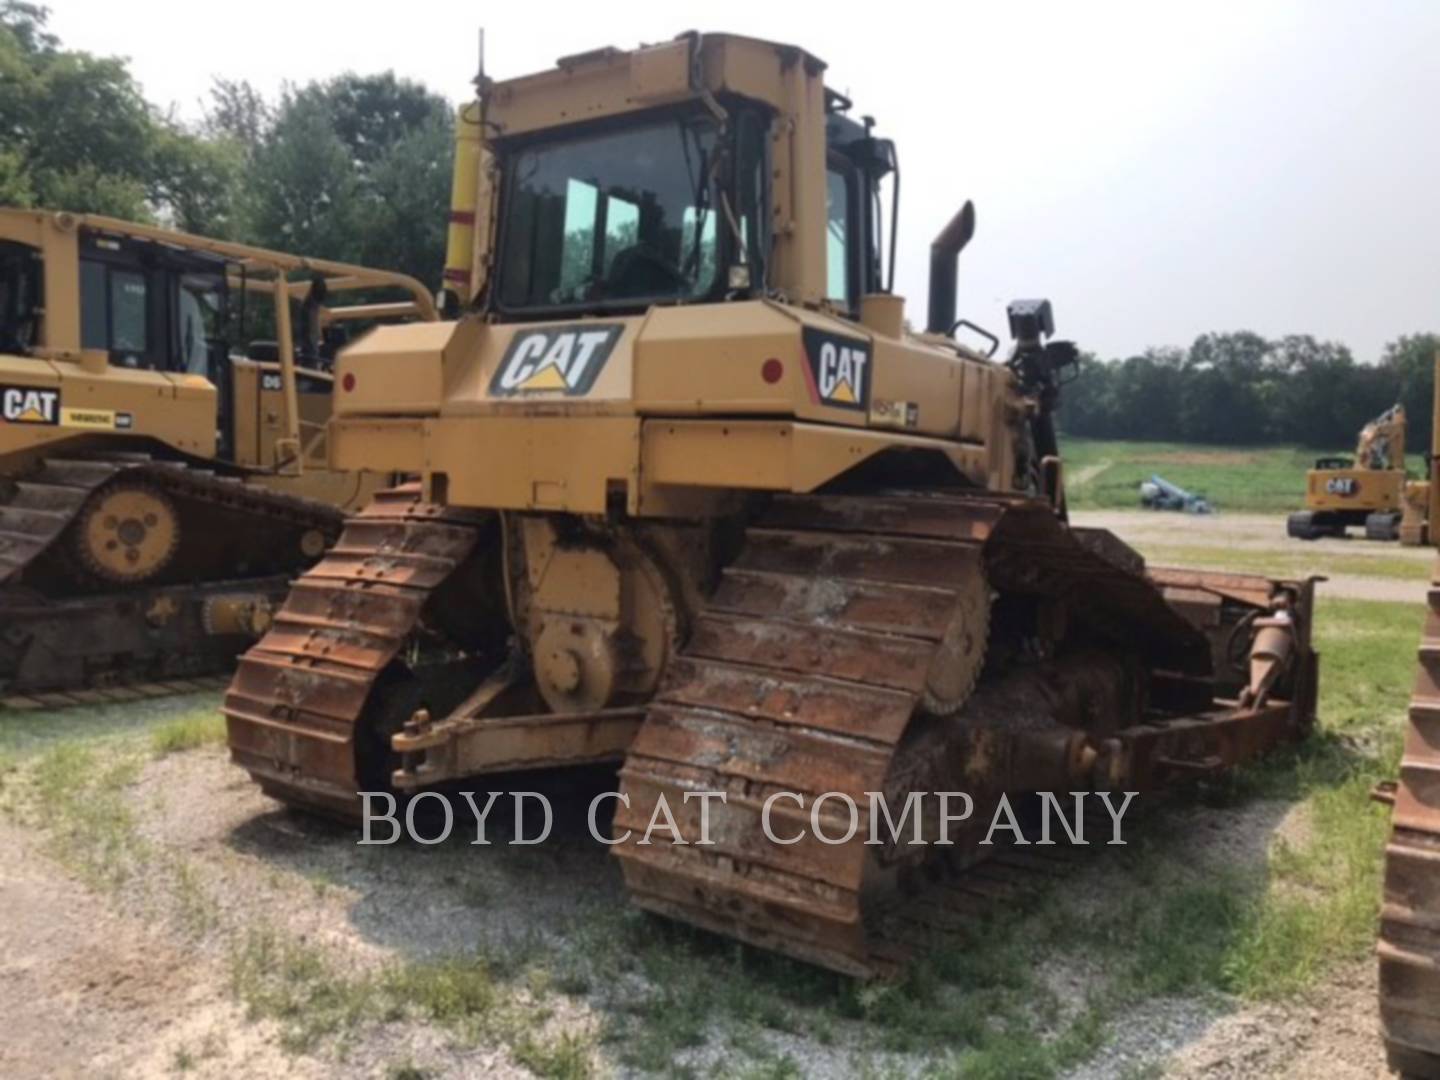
(1157, 169)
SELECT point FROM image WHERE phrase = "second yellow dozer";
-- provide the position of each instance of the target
(163, 473)
(691, 497)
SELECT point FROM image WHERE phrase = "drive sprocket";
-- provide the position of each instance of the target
(127, 533)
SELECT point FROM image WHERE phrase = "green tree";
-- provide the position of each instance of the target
(1410, 361)
(355, 168)
(304, 189)
(408, 200)
(79, 134)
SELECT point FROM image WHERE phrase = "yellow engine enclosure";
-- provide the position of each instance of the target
(1366, 490)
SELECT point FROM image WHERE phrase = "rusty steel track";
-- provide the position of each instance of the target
(811, 668)
(803, 674)
(151, 632)
(1409, 948)
(298, 695)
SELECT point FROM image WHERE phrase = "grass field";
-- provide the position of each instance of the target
(1100, 474)
(1299, 562)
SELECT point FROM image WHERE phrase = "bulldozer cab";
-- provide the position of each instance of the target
(693, 199)
(213, 349)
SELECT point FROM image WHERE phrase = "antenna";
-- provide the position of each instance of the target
(480, 72)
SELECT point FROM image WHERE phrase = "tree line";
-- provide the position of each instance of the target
(1240, 388)
(357, 168)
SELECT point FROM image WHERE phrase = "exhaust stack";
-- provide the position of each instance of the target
(944, 257)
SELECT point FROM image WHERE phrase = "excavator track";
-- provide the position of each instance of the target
(51, 606)
(806, 672)
(296, 701)
(1409, 946)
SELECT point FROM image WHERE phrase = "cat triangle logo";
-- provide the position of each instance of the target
(566, 359)
(547, 378)
(29, 405)
(839, 369)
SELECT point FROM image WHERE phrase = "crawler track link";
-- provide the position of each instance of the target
(1409, 948)
(804, 673)
(295, 705)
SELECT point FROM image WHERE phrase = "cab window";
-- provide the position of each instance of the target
(838, 238)
(20, 305)
(114, 311)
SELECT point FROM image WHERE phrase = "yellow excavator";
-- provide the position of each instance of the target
(163, 467)
(689, 496)
(1368, 490)
(1410, 918)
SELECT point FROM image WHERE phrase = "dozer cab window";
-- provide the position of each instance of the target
(618, 218)
(152, 306)
(201, 344)
(113, 305)
(838, 258)
(20, 303)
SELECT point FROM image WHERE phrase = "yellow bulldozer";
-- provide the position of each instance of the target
(689, 496)
(162, 475)
(1410, 918)
(1368, 490)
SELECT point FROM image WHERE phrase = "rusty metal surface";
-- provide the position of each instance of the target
(91, 648)
(804, 674)
(457, 748)
(292, 708)
(141, 632)
(1409, 948)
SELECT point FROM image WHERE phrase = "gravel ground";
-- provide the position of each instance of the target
(1247, 532)
(110, 985)
(1262, 533)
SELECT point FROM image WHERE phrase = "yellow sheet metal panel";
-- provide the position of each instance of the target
(601, 83)
(687, 357)
(581, 366)
(393, 370)
(532, 463)
(46, 402)
(762, 357)
(1354, 489)
(380, 445)
(773, 455)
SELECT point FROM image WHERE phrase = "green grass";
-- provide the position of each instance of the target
(204, 727)
(77, 795)
(27, 732)
(1302, 562)
(1101, 474)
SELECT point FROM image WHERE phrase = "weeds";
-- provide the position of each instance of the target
(189, 732)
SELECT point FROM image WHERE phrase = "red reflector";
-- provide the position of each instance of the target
(348, 382)
(772, 370)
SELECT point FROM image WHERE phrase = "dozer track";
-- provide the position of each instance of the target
(806, 673)
(812, 668)
(62, 628)
(1410, 918)
(297, 697)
